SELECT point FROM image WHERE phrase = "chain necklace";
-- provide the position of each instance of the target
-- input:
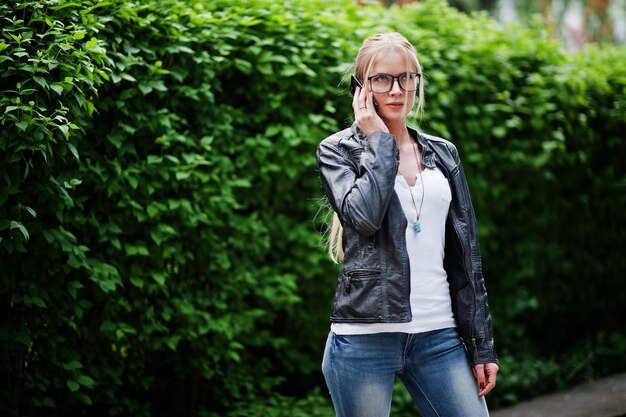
(417, 227)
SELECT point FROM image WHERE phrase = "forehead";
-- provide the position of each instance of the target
(393, 61)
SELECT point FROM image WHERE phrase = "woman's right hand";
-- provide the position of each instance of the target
(365, 115)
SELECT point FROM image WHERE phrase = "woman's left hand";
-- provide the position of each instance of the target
(485, 377)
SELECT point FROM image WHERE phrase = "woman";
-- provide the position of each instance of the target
(410, 300)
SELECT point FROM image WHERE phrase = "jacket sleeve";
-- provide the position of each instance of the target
(481, 346)
(360, 194)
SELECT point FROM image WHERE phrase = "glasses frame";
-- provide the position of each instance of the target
(396, 78)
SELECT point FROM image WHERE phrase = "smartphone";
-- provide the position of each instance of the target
(354, 83)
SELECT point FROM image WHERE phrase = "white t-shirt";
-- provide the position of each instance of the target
(430, 293)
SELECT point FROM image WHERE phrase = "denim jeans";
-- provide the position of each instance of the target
(360, 371)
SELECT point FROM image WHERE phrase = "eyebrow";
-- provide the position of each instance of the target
(397, 75)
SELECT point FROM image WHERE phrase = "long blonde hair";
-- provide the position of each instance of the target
(369, 52)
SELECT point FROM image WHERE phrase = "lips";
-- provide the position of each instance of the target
(396, 104)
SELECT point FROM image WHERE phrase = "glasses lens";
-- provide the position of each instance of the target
(381, 83)
(409, 82)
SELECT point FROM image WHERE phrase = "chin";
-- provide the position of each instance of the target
(393, 117)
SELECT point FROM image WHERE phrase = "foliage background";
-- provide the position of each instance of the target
(159, 204)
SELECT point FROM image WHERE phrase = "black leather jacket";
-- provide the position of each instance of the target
(358, 176)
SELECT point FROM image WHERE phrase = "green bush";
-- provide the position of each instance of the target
(145, 270)
(159, 230)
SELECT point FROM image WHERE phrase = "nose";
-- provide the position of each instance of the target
(395, 87)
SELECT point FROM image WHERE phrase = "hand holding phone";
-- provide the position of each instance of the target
(367, 122)
(354, 83)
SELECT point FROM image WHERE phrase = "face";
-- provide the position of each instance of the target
(391, 105)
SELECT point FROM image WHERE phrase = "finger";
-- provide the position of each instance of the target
(363, 104)
(370, 99)
(491, 371)
(491, 383)
(487, 389)
(479, 374)
(355, 98)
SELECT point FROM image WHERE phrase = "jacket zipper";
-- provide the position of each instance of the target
(349, 275)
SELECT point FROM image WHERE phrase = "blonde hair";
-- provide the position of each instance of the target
(371, 49)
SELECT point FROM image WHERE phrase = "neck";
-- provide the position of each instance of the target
(401, 133)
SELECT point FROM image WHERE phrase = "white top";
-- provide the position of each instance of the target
(430, 294)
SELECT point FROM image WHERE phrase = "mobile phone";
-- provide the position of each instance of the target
(354, 83)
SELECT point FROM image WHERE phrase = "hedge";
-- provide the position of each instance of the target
(159, 204)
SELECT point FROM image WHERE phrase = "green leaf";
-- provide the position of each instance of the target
(132, 250)
(136, 281)
(38, 302)
(107, 286)
(128, 77)
(57, 88)
(72, 365)
(86, 381)
(243, 66)
(84, 398)
(108, 326)
(73, 151)
(41, 81)
(159, 278)
(22, 229)
(152, 211)
(48, 402)
(92, 43)
(154, 159)
(23, 125)
(72, 385)
(145, 88)
(31, 211)
(73, 287)
(172, 341)
(11, 190)
(116, 140)
(182, 175)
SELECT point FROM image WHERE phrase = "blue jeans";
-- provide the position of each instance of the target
(360, 372)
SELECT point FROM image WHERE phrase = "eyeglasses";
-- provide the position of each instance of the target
(383, 83)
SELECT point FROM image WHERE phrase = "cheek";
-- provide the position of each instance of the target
(410, 102)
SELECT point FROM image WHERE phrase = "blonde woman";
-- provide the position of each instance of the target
(410, 300)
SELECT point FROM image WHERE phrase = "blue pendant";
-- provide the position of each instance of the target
(417, 227)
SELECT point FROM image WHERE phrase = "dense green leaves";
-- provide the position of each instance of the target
(139, 245)
(159, 227)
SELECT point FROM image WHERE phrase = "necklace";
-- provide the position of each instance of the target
(417, 227)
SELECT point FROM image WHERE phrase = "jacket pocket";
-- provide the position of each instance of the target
(359, 297)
